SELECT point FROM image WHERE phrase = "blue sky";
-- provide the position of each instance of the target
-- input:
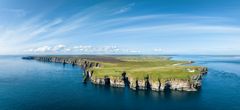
(119, 27)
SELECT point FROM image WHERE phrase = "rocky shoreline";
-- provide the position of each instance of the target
(193, 84)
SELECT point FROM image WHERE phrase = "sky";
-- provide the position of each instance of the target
(120, 27)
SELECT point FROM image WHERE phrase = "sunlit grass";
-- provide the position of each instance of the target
(140, 68)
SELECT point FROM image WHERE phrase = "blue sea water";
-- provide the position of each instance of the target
(33, 85)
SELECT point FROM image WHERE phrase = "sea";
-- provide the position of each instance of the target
(34, 85)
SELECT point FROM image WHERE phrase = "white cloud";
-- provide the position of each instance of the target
(158, 50)
(59, 47)
(40, 49)
(49, 49)
(81, 49)
(100, 49)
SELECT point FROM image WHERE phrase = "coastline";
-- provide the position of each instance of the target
(88, 63)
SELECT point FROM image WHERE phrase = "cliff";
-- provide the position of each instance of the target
(91, 64)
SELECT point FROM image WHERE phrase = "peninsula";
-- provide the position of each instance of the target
(157, 73)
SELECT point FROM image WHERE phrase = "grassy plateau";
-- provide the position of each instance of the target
(140, 67)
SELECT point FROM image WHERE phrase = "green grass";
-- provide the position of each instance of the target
(139, 68)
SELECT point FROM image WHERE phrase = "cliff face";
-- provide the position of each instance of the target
(117, 83)
(193, 84)
(108, 82)
(100, 81)
(83, 63)
(181, 85)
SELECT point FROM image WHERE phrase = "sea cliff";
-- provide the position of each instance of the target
(90, 65)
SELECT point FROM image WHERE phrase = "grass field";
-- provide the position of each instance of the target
(140, 67)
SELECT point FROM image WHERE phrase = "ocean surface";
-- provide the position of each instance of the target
(33, 85)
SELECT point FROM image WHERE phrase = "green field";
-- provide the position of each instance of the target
(140, 67)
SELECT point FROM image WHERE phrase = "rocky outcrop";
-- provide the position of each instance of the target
(193, 84)
(116, 82)
(100, 81)
(133, 84)
(155, 85)
(113, 82)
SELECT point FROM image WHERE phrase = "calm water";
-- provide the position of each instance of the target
(32, 85)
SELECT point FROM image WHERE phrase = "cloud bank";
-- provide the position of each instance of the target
(81, 49)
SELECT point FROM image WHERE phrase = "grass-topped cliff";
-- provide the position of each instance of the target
(144, 72)
(140, 67)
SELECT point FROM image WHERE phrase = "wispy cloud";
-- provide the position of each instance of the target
(90, 26)
(44, 31)
(27, 31)
(125, 9)
(193, 28)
